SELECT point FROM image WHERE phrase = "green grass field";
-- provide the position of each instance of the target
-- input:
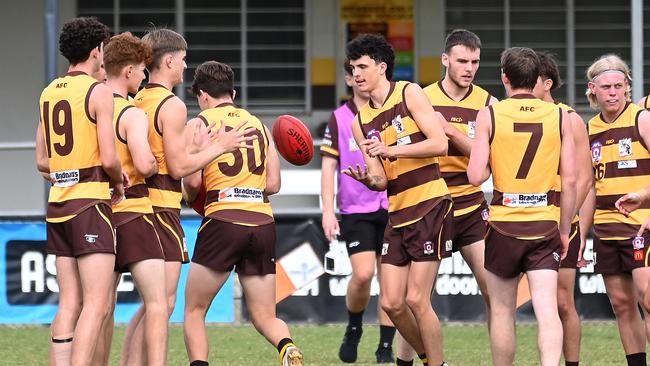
(241, 345)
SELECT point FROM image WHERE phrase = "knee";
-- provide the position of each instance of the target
(392, 306)
(171, 304)
(362, 278)
(155, 308)
(564, 309)
(417, 302)
(622, 305)
(70, 309)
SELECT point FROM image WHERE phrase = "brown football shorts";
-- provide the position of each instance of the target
(222, 246)
(571, 259)
(470, 227)
(137, 240)
(507, 256)
(428, 239)
(172, 237)
(90, 231)
(620, 256)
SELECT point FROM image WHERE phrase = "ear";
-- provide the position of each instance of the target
(382, 68)
(169, 58)
(234, 94)
(591, 87)
(504, 79)
(129, 71)
(349, 80)
(445, 60)
(548, 84)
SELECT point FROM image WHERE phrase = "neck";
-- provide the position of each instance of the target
(609, 117)
(453, 90)
(86, 67)
(118, 86)
(359, 100)
(548, 97)
(380, 92)
(513, 92)
(214, 102)
(157, 77)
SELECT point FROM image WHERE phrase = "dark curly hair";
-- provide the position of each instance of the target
(214, 78)
(374, 46)
(549, 69)
(125, 49)
(79, 36)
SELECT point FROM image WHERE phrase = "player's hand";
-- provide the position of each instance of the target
(582, 262)
(565, 245)
(118, 193)
(628, 203)
(235, 138)
(358, 173)
(201, 137)
(330, 225)
(126, 183)
(375, 148)
(645, 226)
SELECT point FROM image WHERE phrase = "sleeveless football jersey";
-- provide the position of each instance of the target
(415, 185)
(646, 103)
(136, 202)
(235, 182)
(462, 115)
(79, 181)
(524, 158)
(164, 191)
(621, 165)
(558, 186)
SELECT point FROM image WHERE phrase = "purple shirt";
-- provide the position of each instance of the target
(353, 196)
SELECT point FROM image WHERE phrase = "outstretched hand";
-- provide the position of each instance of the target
(628, 203)
(231, 139)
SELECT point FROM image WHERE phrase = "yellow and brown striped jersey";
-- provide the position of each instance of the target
(524, 158)
(558, 186)
(462, 115)
(646, 102)
(79, 181)
(136, 197)
(164, 191)
(415, 185)
(235, 182)
(621, 165)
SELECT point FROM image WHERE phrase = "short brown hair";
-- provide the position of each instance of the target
(163, 41)
(548, 69)
(214, 78)
(125, 49)
(521, 66)
(462, 37)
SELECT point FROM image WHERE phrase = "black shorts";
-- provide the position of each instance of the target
(470, 227)
(90, 231)
(426, 240)
(364, 232)
(222, 246)
(507, 256)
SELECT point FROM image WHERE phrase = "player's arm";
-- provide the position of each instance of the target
(135, 129)
(372, 175)
(585, 176)
(329, 165)
(427, 121)
(492, 100)
(568, 178)
(641, 103)
(42, 161)
(273, 181)
(634, 200)
(478, 169)
(192, 186)
(101, 105)
(462, 142)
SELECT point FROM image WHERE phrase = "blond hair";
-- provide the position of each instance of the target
(608, 63)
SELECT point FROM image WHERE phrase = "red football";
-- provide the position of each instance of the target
(199, 202)
(293, 140)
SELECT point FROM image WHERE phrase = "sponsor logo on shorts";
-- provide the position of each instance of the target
(449, 245)
(485, 214)
(384, 249)
(596, 151)
(353, 244)
(638, 255)
(638, 242)
(241, 194)
(428, 248)
(627, 164)
(525, 199)
(625, 147)
(184, 244)
(65, 178)
(556, 257)
(91, 238)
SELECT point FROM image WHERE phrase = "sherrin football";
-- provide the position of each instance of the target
(293, 140)
(199, 202)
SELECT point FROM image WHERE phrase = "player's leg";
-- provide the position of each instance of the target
(147, 275)
(103, 350)
(568, 315)
(129, 336)
(474, 255)
(70, 302)
(96, 274)
(405, 353)
(621, 292)
(543, 289)
(640, 277)
(384, 352)
(502, 317)
(202, 286)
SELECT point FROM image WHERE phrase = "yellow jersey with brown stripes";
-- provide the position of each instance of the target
(235, 182)
(462, 115)
(621, 165)
(164, 191)
(78, 179)
(415, 185)
(136, 197)
(646, 102)
(558, 186)
(524, 147)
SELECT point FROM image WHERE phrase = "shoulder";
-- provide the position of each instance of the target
(172, 105)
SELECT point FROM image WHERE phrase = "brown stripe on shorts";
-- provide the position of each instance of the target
(164, 182)
(413, 178)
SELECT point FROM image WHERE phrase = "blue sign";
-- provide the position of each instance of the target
(29, 292)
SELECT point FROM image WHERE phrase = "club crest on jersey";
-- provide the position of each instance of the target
(397, 124)
(596, 152)
(428, 248)
(625, 147)
(327, 137)
(471, 129)
(373, 135)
